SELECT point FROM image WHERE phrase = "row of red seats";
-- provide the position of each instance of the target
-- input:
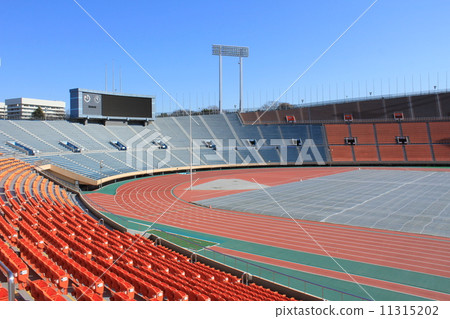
(34, 187)
(18, 184)
(78, 273)
(31, 235)
(41, 291)
(8, 167)
(26, 187)
(12, 171)
(58, 217)
(83, 293)
(51, 238)
(224, 280)
(146, 290)
(75, 244)
(145, 261)
(164, 251)
(45, 224)
(79, 231)
(43, 266)
(10, 216)
(210, 270)
(186, 283)
(164, 282)
(27, 216)
(15, 264)
(13, 200)
(110, 279)
(50, 189)
(120, 296)
(220, 275)
(97, 251)
(7, 232)
(43, 213)
(267, 292)
(119, 253)
(180, 267)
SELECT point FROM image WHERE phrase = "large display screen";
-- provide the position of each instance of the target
(126, 106)
(101, 105)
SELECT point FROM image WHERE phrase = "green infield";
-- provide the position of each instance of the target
(183, 241)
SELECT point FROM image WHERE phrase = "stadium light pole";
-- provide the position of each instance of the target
(228, 50)
(190, 146)
(240, 84)
(220, 82)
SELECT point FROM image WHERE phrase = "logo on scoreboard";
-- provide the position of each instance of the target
(92, 104)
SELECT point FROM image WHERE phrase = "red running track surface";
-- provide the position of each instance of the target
(155, 200)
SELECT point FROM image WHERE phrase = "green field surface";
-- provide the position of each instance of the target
(190, 243)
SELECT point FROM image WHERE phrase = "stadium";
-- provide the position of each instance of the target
(345, 201)
(119, 197)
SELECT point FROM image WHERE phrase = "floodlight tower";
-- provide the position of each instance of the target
(228, 50)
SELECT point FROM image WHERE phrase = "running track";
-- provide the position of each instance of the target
(158, 200)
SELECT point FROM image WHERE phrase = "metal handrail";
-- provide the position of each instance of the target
(11, 284)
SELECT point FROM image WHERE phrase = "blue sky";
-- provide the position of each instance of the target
(49, 47)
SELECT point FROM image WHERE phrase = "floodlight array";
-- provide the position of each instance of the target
(229, 50)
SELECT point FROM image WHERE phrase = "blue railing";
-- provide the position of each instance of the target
(118, 145)
(70, 146)
(21, 148)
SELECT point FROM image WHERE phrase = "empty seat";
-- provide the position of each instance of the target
(390, 153)
(336, 133)
(14, 263)
(366, 153)
(442, 152)
(3, 294)
(364, 133)
(341, 153)
(40, 291)
(416, 132)
(440, 132)
(83, 293)
(7, 231)
(418, 153)
(120, 296)
(386, 132)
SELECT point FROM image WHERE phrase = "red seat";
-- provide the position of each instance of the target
(40, 291)
(176, 295)
(120, 296)
(196, 296)
(8, 232)
(83, 293)
(3, 294)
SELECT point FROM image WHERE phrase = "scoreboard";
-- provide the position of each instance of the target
(104, 105)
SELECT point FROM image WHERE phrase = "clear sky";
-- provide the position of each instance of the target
(48, 47)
